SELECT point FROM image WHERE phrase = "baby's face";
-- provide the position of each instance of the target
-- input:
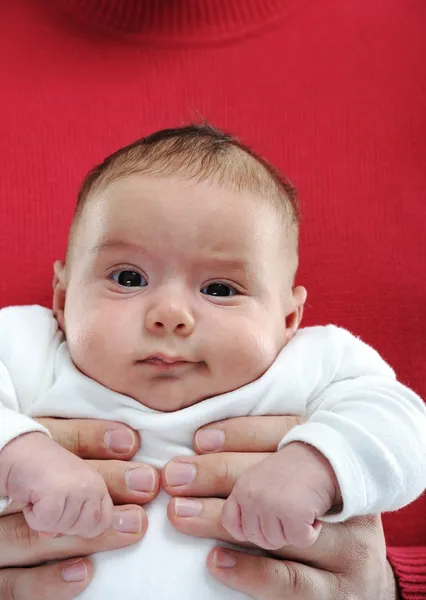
(176, 290)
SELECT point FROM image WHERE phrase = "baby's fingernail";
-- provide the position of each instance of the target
(224, 559)
(127, 521)
(141, 479)
(209, 440)
(75, 571)
(180, 473)
(120, 440)
(46, 534)
(184, 507)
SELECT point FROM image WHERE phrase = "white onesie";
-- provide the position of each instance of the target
(371, 428)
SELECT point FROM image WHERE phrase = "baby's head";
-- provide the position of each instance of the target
(178, 283)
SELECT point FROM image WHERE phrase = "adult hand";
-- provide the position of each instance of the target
(108, 446)
(347, 561)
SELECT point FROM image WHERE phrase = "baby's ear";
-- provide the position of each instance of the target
(294, 317)
(59, 292)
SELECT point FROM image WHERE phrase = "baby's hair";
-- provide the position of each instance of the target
(200, 152)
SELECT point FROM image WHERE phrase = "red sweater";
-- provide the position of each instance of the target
(332, 91)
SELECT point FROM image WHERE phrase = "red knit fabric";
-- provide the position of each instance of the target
(409, 565)
(332, 92)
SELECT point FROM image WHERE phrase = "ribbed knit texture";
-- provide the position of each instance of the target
(409, 565)
(333, 92)
(183, 20)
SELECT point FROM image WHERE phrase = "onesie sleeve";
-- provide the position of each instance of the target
(25, 334)
(370, 427)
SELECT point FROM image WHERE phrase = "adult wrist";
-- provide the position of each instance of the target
(391, 590)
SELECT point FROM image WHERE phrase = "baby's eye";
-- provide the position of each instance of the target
(219, 289)
(129, 279)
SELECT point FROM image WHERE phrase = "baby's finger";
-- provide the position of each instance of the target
(107, 512)
(45, 514)
(244, 434)
(92, 438)
(273, 532)
(301, 534)
(252, 531)
(94, 518)
(231, 519)
(61, 581)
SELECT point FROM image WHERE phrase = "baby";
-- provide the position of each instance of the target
(176, 307)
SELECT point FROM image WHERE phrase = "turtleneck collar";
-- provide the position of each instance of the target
(178, 20)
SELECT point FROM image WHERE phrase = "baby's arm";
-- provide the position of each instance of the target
(368, 429)
(63, 494)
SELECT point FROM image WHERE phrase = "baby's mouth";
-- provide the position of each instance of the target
(165, 359)
(166, 362)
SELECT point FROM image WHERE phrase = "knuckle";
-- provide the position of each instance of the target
(252, 437)
(294, 577)
(111, 473)
(23, 536)
(81, 447)
(225, 474)
(7, 586)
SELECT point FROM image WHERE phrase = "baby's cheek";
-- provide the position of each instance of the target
(249, 353)
(89, 340)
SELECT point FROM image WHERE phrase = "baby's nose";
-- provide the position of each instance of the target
(172, 318)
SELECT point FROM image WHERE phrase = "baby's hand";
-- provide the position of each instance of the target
(63, 493)
(279, 500)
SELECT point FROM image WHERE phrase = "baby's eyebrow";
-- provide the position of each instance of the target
(228, 262)
(112, 244)
(214, 260)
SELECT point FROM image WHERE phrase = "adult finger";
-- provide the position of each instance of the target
(21, 546)
(92, 438)
(202, 518)
(244, 434)
(264, 578)
(209, 475)
(128, 483)
(62, 581)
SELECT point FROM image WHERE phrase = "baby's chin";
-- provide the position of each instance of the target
(170, 395)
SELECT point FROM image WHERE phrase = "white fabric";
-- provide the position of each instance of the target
(370, 427)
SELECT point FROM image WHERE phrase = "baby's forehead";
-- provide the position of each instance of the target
(139, 204)
(177, 214)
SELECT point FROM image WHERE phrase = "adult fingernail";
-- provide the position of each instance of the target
(180, 473)
(120, 440)
(141, 479)
(75, 571)
(209, 440)
(224, 560)
(184, 507)
(127, 521)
